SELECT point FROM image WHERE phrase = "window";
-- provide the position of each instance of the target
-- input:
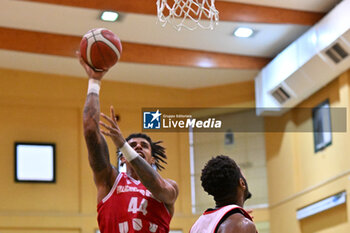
(35, 162)
(321, 120)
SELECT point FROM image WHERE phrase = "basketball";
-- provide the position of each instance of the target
(100, 48)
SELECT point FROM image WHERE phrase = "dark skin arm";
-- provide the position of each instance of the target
(104, 173)
(164, 190)
(237, 223)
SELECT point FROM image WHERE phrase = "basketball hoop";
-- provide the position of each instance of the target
(189, 14)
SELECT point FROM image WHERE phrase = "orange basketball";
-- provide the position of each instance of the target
(100, 48)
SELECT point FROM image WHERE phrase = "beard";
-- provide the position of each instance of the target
(247, 194)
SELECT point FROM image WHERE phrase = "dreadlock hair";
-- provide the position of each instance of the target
(158, 151)
(220, 177)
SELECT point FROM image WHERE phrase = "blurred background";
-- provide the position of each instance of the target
(297, 57)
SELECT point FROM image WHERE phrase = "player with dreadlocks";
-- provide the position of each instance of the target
(139, 200)
(222, 178)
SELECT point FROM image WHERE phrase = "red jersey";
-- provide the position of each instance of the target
(209, 221)
(129, 207)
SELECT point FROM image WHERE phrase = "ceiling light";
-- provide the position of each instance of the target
(243, 32)
(109, 16)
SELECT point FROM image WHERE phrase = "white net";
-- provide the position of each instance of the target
(188, 14)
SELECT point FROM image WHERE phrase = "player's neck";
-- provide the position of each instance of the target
(132, 174)
(229, 201)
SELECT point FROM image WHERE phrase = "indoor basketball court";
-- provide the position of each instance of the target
(266, 83)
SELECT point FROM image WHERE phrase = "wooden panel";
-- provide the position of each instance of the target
(239, 12)
(228, 11)
(38, 42)
(151, 54)
(65, 45)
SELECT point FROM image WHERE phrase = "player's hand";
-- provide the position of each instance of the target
(112, 130)
(98, 75)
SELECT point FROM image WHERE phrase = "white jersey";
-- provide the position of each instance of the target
(209, 221)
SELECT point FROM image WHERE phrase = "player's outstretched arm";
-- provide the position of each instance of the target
(162, 189)
(165, 190)
(104, 174)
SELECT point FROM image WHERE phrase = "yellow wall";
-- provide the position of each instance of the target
(297, 176)
(48, 108)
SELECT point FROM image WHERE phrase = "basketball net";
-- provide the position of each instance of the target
(189, 14)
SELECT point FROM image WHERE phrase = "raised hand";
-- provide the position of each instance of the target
(98, 75)
(112, 130)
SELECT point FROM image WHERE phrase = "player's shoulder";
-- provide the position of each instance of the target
(237, 223)
(173, 183)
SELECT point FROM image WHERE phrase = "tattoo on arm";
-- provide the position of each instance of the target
(98, 153)
(96, 143)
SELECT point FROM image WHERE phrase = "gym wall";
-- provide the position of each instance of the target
(298, 177)
(38, 107)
